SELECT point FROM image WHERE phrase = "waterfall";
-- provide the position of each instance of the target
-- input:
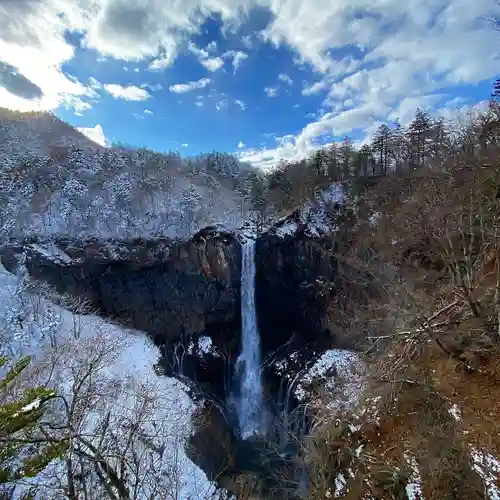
(248, 363)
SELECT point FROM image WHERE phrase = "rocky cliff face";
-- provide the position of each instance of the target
(171, 290)
(295, 276)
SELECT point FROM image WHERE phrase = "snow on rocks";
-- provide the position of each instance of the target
(485, 464)
(455, 412)
(488, 468)
(203, 346)
(52, 252)
(338, 372)
(288, 228)
(316, 218)
(414, 485)
(374, 218)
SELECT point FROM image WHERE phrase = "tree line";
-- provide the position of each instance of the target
(426, 141)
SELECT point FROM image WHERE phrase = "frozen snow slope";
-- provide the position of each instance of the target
(126, 382)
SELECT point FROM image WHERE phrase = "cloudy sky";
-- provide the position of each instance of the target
(264, 78)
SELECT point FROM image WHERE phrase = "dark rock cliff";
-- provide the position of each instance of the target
(171, 290)
(294, 281)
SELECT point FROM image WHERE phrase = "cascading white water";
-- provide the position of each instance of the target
(248, 363)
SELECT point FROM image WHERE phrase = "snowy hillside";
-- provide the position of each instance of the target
(55, 181)
(122, 393)
(37, 133)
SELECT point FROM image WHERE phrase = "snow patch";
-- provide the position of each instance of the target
(488, 468)
(52, 252)
(340, 484)
(317, 217)
(413, 488)
(455, 412)
(374, 218)
(340, 372)
(287, 229)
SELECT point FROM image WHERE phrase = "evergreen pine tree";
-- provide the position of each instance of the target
(24, 450)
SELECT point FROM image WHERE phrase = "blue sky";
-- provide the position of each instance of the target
(267, 79)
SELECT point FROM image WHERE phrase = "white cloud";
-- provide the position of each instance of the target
(222, 104)
(184, 145)
(283, 77)
(315, 87)
(161, 63)
(95, 84)
(241, 104)
(181, 88)
(247, 41)
(32, 40)
(203, 56)
(199, 53)
(241, 145)
(237, 56)
(153, 88)
(95, 134)
(127, 93)
(271, 91)
(148, 112)
(80, 106)
(211, 47)
(199, 104)
(407, 50)
(212, 64)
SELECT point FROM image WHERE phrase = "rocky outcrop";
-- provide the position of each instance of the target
(294, 280)
(171, 290)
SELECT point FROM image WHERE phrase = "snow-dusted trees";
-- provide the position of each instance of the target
(110, 427)
(117, 193)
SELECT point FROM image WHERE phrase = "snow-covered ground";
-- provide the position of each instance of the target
(414, 486)
(126, 383)
(485, 464)
(340, 373)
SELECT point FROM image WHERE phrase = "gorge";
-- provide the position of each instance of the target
(225, 310)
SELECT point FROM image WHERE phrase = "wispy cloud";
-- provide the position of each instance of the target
(127, 93)
(237, 57)
(283, 77)
(203, 56)
(211, 47)
(241, 104)
(212, 64)
(153, 88)
(181, 88)
(315, 88)
(247, 41)
(199, 53)
(241, 145)
(222, 104)
(271, 91)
